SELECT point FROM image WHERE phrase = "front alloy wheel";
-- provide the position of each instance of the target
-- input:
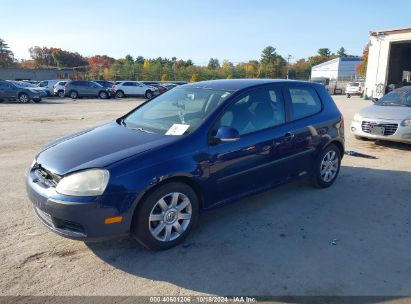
(166, 216)
(24, 98)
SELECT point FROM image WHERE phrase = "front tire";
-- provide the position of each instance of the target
(166, 216)
(73, 95)
(24, 98)
(348, 96)
(37, 100)
(120, 94)
(327, 167)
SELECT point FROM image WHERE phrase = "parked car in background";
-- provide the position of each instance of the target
(12, 91)
(58, 89)
(169, 86)
(23, 84)
(161, 89)
(134, 88)
(48, 85)
(196, 147)
(354, 88)
(84, 88)
(389, 118)
(104, 83)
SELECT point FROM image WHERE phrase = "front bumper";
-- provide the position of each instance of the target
(394, 130)
(80, 218)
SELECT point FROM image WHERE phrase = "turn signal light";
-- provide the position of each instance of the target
(113, 220)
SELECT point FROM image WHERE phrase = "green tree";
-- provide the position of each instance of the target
(324, 52)
(213, 64)
(268, 55)
(6, 55)
(342, 52)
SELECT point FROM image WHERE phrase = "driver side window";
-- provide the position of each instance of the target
(258, 110)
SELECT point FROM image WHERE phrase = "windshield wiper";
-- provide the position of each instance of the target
(142, 130)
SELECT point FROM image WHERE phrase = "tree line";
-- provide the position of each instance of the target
(270, 65)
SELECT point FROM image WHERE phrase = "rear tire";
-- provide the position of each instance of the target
(103, 95)
(348, 96)
(60, 94)
(327, 167)
(149, 94)
(37, 100)
(166, 216)
(73, 95)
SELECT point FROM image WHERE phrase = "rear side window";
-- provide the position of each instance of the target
(128, 84)
(304, 102)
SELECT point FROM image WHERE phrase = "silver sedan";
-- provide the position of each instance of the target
(389, 118)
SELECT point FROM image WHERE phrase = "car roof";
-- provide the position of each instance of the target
(238, 84)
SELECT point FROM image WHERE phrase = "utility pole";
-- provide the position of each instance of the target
(288, 65)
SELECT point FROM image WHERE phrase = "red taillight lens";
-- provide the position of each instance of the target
(66, 84)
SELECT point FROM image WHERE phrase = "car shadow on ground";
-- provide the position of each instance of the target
(352, 239)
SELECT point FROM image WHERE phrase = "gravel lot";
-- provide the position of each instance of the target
(276, 243)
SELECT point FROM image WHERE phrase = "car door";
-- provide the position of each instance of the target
(128, 88)
(94, 89)
(4, 90)
(259, 159)
(303, 105)
(140, 88)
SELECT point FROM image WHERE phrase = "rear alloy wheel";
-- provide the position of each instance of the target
(103, 95)
(37, 100)
(73, 95)
(327, 167)
(60, 94)
(119, 94)
(24, 98)
(149, 94)
(166, 216)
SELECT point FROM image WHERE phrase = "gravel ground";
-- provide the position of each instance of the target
(275, 243)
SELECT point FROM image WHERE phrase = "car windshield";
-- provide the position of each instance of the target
(176, 112)
(396, 98)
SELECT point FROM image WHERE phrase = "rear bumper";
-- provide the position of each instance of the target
(402, 134)
(78, 218)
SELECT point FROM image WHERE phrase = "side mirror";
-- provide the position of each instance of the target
(227, 134)
(374, 99)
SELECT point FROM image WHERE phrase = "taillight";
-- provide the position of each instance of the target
(114, 87)
(66, 85)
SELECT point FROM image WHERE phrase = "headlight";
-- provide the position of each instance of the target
(406, 122)
(91, 182)
(357, 117)
(33, 163)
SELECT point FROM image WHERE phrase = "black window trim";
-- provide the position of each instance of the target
(288, 101)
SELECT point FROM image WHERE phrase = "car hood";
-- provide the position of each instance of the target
(97, 147)
(386, 112)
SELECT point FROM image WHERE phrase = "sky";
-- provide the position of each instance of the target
(197, 30)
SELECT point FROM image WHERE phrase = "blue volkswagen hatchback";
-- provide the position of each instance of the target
(201, 145)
